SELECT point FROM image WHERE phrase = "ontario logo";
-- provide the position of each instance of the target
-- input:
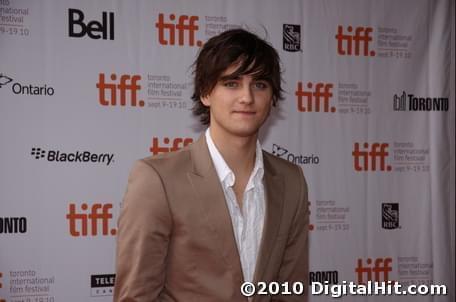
(26, 89)
(4, 79)
(282, 152)
(72, 157)
(291, 37)
(410, 102)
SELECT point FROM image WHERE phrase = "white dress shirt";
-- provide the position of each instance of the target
(248, 221)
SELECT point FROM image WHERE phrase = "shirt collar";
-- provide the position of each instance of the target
(225, 174)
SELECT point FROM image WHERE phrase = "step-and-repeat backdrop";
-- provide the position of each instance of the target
(87, 87)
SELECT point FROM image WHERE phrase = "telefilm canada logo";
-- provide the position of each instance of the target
(25, 88)
(411, 102)
(282, 152)
(390, 216)
(72, 157)
(102, 285)
(291, 37)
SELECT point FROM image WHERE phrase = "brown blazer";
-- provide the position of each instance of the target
(176, 242)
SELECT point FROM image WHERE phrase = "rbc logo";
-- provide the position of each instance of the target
(361, 158)
(292, 37)
(185, 24)
(127, 84)
(94, 29)
(360, 40)
(321, 94)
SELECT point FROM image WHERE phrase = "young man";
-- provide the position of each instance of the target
(197, 223)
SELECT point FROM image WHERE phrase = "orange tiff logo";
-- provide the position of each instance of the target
(315, 98)
(177, 144)
(185, 25)
(123, 93)
(374, 152)
(380, 270)
(86, 221)
(354, 43)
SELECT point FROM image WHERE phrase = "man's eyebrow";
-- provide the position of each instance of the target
(229, 77)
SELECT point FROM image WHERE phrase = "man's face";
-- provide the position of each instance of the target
(238, 106)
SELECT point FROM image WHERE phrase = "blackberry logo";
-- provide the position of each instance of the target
(77, 157)
(38, 153)
(281, 152)
(291, 37)
(390, 216)
(4, 80)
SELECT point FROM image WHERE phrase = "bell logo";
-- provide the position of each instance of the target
(79, 220)
(361, 40)
(115, 91)
(361, 158)
(178, 143)
(94, 29)
(167, 30)
(310, 101)
(380, 270)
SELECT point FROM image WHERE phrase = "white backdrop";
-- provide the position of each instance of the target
(87, 87)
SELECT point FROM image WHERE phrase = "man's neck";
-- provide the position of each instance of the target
(238, 152)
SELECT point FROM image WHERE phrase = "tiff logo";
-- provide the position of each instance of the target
(360, 41)
(390, 216)
(374, 152)
(321, 94)
(119, 91)
(80, 222)
(178, 143)
(185, 24)
(94, 29)
(380, 270)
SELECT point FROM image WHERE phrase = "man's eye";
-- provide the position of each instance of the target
(230, 84)
(261, 85)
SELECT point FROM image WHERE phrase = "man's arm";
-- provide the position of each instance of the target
(142, 240)
(295, 262)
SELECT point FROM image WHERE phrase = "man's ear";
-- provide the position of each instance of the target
(205, 100)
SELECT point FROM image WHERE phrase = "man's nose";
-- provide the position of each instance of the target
(246, 94)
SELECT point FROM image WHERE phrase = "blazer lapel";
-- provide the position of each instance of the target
(274, 187)
(211, 200)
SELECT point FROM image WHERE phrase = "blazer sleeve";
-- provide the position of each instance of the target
(295, 262)
(143, 236)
